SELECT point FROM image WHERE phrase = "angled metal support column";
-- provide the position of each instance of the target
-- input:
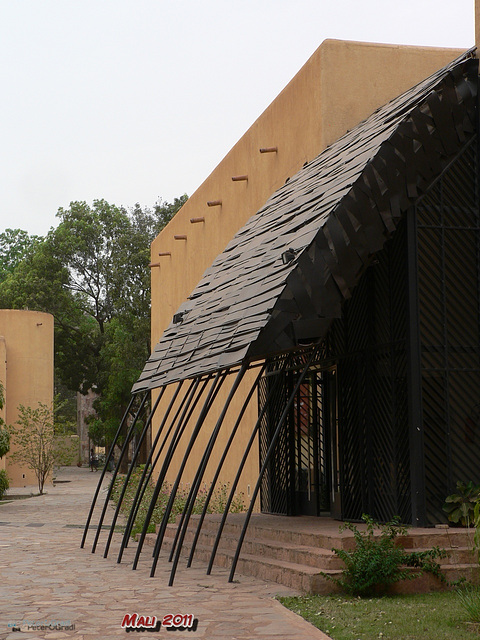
(104, 470)
(181, 425)
(161, 477)
(221, 463)
(187, 512)
(148, 469)
(130, 470)
(267, 460)
(271, 395)
(115, 471)
(216, 386)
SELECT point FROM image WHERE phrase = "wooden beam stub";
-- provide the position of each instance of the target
(268, 149)
(180, 237)
(239, 178)
(164, 253)
(154, 264)
(214, 203)
(195, 220)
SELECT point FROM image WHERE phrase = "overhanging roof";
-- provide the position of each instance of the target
(336, 212)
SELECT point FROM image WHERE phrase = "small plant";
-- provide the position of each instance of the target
(459, 506)
(377, 561)
(216, 505)
(4, 484)
(36, 445)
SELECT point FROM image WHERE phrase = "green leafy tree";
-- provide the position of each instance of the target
(91, 272)
(15, 246)
(35, 444)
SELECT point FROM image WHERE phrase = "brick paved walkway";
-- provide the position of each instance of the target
(46, 578)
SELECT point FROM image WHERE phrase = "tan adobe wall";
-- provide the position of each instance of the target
(28, 371)
(340, 85)
(3, 377)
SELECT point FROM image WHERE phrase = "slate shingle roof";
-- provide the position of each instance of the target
(334, 213)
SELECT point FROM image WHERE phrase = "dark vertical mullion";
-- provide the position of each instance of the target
(370, 469)
(316, 439)
(446, 357)
(417, 457)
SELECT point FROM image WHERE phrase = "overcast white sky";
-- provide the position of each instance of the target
(138, 100)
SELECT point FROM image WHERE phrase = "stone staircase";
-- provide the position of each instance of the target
(296, 551)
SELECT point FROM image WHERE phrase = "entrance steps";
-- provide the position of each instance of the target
(296, 551)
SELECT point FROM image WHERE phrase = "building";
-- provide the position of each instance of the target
(26, 372)
(327, 361)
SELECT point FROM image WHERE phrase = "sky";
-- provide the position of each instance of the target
(139, 100)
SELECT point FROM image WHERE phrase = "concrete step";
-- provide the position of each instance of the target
(290, 574)
(297, 554)
(285, 551)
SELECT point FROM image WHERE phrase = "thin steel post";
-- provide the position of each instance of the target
(185, 405)
(222, 460)
(217, 385)
(144, 480)
(200, 472)
(271, 394)
(147, 471)
(115, 471)
(212, 394)
(265, 462)
(130, 470)
(104, 470)
(158, 486)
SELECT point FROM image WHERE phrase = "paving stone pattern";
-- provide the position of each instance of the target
(46, 578)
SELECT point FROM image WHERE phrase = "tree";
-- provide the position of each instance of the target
(91, 272)
(36, 446)
(15, 245)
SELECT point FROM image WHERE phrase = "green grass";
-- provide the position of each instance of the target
(432, 616)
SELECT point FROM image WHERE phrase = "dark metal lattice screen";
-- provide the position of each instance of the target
(373, 352)
(370, 344)
(448, 281)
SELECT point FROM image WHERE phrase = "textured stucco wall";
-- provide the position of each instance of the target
(26, 364)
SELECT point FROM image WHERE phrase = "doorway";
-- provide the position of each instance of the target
(315, 443)
(303, 475)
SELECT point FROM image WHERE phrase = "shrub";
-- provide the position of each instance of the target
(4, 484)
(376, 562)
(459, 506)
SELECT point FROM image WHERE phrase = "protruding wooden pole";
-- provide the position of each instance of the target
(164, 253)
(268, 149)
(214, 203)
(239, 178)
(180, 237)
(196, 220)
